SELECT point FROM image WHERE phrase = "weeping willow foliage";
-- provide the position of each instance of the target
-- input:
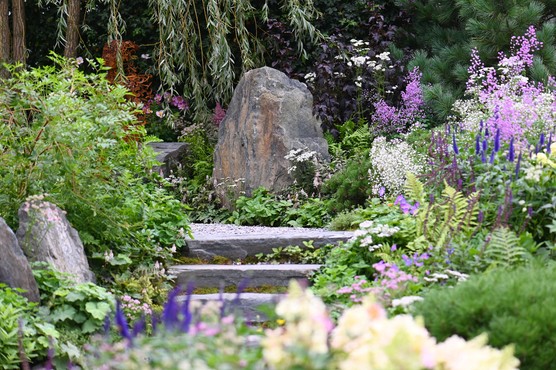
(203, 44)
(197, 39)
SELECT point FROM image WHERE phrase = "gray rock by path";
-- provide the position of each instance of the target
(170, 155)
(237, 242)
(15, 270)
(45, 235)
(215, 276)
(269, 115)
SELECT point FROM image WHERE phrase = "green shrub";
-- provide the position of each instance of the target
(74, 137)
(262, 208)
(513, 306)
(80, 307)
(18, 320)
(349, 187)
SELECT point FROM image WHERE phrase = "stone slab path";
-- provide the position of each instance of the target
(208, 276)
(237, 242)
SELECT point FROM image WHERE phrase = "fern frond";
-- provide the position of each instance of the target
(414, 188)
(504, 249)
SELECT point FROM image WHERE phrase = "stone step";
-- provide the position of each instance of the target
(216, 276)
(207, 245)
(249, 305)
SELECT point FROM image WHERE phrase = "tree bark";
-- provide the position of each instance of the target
(72, 30)
(5, 34)
(19, 51)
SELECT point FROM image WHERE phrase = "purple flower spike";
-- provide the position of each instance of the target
(480, 216)
(481, 126)
(497, 140)
(491, 160)
(541, 139)
(478, 144)
(511, 152)
(454, 144)
(483, 157)
(139, 326)
(121, 321)
(549, 143)
(170, 311)
(485, 145)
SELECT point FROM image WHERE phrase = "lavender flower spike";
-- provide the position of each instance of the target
(478, 144)
(497, 140)
(122, 322)
(455, 144)
(511, 152)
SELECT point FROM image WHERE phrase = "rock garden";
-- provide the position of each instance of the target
(326, 185)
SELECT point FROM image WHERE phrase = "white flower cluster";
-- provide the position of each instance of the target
(367, 230)
(300, 156)
(391, 161)
(437, 276)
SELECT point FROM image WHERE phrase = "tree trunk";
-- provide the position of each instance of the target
(5, 35)
(19, 51)
(72, 30)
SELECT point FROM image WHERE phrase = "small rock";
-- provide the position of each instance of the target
(15, 270)
(45, 235)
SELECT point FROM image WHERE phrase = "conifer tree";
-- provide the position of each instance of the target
(444, 32)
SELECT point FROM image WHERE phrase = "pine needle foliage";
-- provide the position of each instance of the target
(513, 306)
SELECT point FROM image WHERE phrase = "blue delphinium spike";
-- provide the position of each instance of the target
(511, 152)
(455, 144)
(485, 145)
(517, 166)
(121, 321)
(478, 144)
(170, 311)
(541, 139)
(186, 310)
(487, 134)
(497, 140)
(139, 326)
(481, 125)
(492, 153)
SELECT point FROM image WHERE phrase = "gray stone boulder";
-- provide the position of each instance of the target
(45, 235)
(170, 155)
(15, 270)
(269, 116)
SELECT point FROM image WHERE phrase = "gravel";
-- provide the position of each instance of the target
(230, 229)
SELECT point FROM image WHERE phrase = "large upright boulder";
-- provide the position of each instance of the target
(15, 270)
(45, 235)
(269, 115)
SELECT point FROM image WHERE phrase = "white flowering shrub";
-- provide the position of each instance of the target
(390, 162)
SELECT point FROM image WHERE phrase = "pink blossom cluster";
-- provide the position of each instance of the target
(133, 307)
(510, 102)
(357, 290)
(389, 119)
(391, 277)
